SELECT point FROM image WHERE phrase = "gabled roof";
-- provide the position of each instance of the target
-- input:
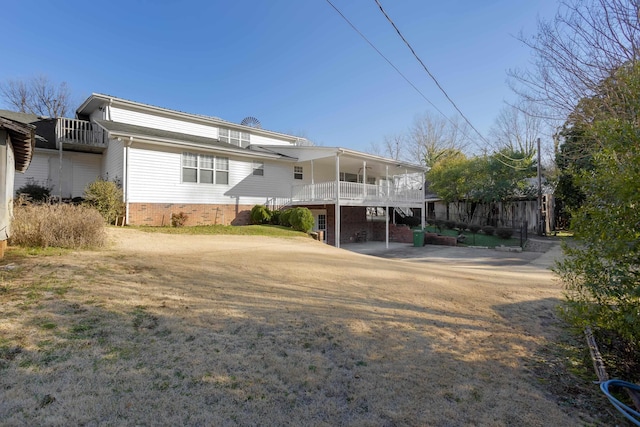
(97, 100)
(23, 141)
(154, 135)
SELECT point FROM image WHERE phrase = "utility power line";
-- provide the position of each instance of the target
(429, 72)
(413, 85)
(391, 63)
(413, 52)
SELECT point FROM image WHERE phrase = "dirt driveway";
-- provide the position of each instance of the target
(234, 330)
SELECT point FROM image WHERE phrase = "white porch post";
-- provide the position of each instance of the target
(386, 212)
(364, 180)
(313, 187)
(337, 213)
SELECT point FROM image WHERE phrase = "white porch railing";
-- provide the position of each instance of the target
(80, 132)
(353, 191)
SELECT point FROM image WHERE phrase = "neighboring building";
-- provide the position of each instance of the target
(215, 171)
(513, 213)
(17, 142)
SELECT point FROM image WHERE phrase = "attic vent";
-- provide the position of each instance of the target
(251, 122)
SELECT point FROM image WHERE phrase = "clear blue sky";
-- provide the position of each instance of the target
(296, 65)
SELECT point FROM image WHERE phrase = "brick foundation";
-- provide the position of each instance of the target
(159, 214)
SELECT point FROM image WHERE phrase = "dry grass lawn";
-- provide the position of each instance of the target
(237, 330)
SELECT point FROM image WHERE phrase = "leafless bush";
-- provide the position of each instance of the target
(60, 225)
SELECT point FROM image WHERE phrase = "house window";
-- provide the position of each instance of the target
(205, 169)
(258, 168)
(222, 170)
(234, 137)
(297, 172)
(189, 167)
(348, 177)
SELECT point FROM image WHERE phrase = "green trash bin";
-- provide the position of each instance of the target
(418, 238)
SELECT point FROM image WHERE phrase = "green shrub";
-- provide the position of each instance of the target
(106, 197)
(504, 233)
(35, 191)
(450, 224)
(488, 230)
(260, 214)
(474, 228)
(462, 226)
(178, 219)
(58, 225)
(301, 219)
(275, 217)
(285, 218)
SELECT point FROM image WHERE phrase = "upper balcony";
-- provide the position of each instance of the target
(80, 135)
(356, 194)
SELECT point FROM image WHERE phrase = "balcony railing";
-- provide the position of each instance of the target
(80, 133)
(355, 192)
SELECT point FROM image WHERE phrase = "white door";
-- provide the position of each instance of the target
(320, 222)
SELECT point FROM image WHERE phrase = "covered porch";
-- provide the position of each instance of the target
(346, 183)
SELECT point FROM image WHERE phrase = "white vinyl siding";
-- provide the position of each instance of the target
(113, 160)
(124, 115)
(38, 171)
(265, 140)
(165, 123)
(156, 177)
(84, 173)
(79, 169)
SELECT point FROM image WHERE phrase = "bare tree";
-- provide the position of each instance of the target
(393, 147)
(574, 53)
(517, 128)
(38, 95)
(430, 138)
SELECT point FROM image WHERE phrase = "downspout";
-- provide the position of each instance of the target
(337, 212)
(125, 181)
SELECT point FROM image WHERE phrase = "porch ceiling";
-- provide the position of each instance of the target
(350, 164)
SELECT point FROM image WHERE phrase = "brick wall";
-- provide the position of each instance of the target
(435, 239)
(353, 223)
(159, 214)
(397, 233)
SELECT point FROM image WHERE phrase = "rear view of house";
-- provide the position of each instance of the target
(215, 171)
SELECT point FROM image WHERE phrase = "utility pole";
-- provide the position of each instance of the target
(540, 222)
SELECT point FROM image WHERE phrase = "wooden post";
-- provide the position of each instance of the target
(3, 246)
